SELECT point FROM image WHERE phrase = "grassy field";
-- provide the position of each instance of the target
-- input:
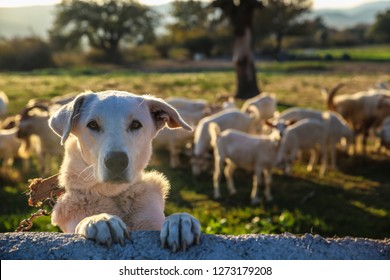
(352, 201)
(368, 53)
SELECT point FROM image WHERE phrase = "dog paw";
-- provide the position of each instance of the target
(179, 231)
(104, 229)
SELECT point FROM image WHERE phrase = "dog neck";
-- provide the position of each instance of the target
(77, 174)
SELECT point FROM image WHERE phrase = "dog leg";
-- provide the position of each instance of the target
(179, 231)
(104, 229)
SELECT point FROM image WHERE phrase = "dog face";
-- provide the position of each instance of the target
(114, 131)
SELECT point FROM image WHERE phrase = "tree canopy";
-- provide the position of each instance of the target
(190, 28)
(380, 30)
(280, 18)
(104, 23)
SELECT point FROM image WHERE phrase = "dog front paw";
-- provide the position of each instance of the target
(179, 231)
(104, 229)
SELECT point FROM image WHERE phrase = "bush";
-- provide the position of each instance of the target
(69, 59)
(345, 57)
(25, 54)
(96, 56)
(328, 57)
(143, 52)
(179, 54)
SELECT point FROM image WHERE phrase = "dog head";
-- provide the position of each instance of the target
(114, 131)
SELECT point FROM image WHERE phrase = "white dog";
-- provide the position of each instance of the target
(107, 137)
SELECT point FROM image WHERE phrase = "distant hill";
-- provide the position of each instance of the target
(340, 19)
(24, 21)
(38, 20)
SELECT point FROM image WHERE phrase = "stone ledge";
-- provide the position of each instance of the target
(145, 245)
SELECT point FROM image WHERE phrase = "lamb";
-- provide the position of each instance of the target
(174, 139)
(304, 135)
(9, 145)
(3, 104)
(360, 110)
(256, 153)
(338, 127)
(187, 105)
(384, 135)
(35, 122)
(231, 118)
(57, 100)
(266, 106)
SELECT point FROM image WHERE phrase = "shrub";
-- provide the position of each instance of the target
(25, 54)
(179, 54)
(69, 59)
(143, 52)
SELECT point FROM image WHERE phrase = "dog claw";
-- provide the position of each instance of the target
(109, 244)
(174, 247)
(184, 246)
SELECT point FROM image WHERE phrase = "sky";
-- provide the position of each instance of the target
(318, 4)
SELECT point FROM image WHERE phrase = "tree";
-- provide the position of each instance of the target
(104, 23)
(281, 18)
(190, 28)
(380, 29)
(240, 14)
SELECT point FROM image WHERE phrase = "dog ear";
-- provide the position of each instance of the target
(62, 120)
(163, 113)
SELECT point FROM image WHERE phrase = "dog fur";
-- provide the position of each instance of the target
(107, 137)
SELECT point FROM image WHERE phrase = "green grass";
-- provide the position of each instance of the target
(353, 201)
(368, 53)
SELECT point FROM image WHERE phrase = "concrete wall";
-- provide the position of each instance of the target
(146, 245)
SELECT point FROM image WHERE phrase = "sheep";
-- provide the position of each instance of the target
(3, 104)
(256, 153)
(10, 122)
(384, 135)
(304, 135)
(35, 122)
(266, 106)
(173, 140)
(231, 118)
(57, 100)
(338, 128)
(187, 105)
(360, 109)
(192, 111)
(9, 145)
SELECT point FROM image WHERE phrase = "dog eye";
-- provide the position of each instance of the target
(135, 125)
(93, 125)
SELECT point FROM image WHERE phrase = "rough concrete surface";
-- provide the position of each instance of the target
(146, 245)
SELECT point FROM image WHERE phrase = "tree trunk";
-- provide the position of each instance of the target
(278, 47)
(244, 63)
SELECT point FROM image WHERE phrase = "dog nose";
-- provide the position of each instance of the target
(116, 162)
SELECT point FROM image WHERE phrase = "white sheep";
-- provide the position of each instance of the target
(338, 128)
(187, 105)
(231, 118)
(35, 122)
(3, 104)
(361, 110)
(304, 135)
(266, 105)
(173, 140)
(192, 111)
(384, 135)
(9, 145)
(256, 153)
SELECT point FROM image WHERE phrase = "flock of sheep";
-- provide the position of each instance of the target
(255, 137)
